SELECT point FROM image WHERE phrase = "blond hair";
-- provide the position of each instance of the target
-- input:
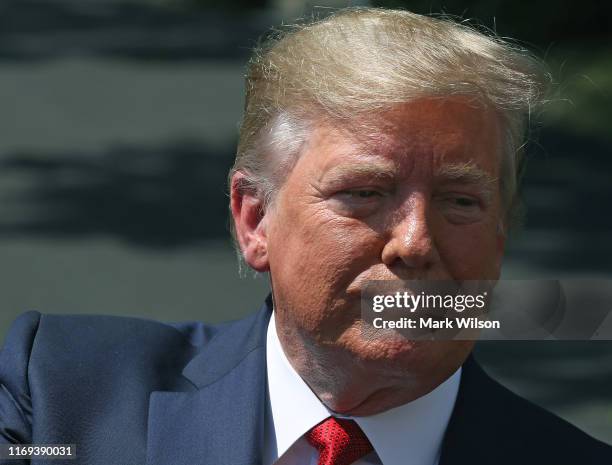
(360, 60)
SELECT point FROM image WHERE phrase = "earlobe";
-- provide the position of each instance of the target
(250, 222)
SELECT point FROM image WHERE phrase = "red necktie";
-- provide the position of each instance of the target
(340, 441)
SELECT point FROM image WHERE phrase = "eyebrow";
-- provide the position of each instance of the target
(374, 171)
(468, 173)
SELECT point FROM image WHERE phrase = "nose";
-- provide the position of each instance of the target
(410, 242)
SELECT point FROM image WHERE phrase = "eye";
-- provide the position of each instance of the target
(358, 202)
(457, 201)
(465, 202)
(461, 209)
(362, 193)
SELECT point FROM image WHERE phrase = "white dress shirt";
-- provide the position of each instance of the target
(410, 434)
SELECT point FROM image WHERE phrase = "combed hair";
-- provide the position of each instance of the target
(361, 60)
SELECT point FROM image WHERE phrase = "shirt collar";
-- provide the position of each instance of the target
(414, 430)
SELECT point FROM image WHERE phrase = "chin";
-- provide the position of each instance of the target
(391, 348)
(402, 356)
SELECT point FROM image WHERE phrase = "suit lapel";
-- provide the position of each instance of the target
(221, 420)
(475, 434)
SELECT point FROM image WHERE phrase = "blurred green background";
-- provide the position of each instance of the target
(119, 122)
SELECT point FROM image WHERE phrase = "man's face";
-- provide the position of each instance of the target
(418, 200)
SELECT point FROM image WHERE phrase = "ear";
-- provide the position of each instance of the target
(249, 220)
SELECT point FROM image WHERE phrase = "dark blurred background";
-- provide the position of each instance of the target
(118, 123)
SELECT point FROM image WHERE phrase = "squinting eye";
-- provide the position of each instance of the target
(462, 209)
(359, 202)
(359, 194)
(465, 202)
(363, 194)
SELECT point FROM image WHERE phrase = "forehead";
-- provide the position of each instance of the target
(435, 130)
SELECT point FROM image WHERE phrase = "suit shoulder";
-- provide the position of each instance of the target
(77, 331)
(80, 343)
(521, 430)
(538, 423)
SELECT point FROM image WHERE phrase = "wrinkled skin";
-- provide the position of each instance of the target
(377, 207)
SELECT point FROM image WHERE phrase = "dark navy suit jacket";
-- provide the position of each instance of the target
(129, 391)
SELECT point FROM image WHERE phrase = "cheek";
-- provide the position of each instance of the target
(314, 258)
(470, 252)
(312, 240)
(329, 252)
